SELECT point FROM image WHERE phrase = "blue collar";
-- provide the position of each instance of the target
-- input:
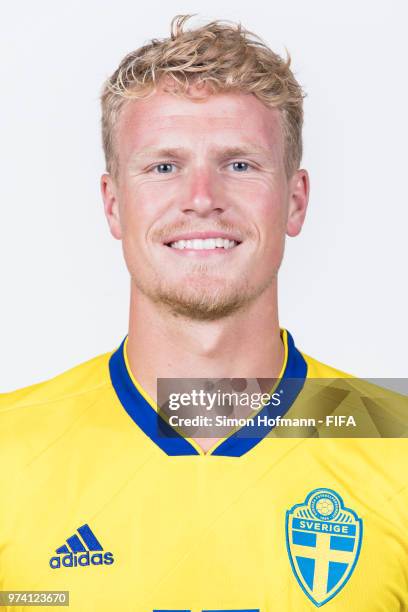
(173, 443)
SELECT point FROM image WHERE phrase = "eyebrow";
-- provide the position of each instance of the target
(159, 152)
(225, 152)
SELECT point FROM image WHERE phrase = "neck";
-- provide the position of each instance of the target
(244, 345)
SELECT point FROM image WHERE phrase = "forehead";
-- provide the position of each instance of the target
(223, 118)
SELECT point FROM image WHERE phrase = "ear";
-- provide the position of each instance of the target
(298, 199)
(111, 205)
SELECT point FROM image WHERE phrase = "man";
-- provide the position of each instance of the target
(102, 497)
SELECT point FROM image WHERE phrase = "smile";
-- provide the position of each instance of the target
(207, 244)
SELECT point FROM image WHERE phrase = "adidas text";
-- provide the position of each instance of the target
(81, 559)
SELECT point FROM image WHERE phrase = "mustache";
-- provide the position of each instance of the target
(164, 233)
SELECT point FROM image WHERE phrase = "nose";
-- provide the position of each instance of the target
(202, 194)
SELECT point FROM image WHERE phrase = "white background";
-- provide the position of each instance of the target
(64, 285)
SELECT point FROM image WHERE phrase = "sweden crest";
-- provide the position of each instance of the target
(323, 539)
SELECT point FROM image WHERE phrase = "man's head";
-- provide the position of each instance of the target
(202, 138)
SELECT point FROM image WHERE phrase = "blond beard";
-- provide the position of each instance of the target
(198, 301)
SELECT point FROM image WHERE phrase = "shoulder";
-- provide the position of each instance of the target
(34, 417)
(78, 380)
(382, 411)
(318, 369)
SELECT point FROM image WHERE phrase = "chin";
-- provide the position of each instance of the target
(203, 310)
(201, 297)
(202, 303)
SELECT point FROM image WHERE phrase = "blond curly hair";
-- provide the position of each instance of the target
(217, 57)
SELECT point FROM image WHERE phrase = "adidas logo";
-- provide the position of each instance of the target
(77, 551)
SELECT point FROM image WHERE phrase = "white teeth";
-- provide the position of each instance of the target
(208, 243)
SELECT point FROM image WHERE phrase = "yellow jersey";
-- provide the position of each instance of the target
(96, 503)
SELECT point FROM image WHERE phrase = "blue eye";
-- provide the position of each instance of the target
(240, 166)
(164, 168)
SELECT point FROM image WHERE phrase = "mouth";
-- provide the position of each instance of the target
(204, 243)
